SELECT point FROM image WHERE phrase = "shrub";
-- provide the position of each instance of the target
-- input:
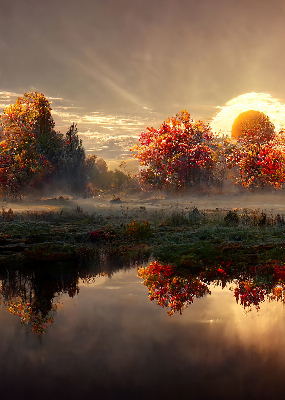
(177, 219)
(231, 218)
(96, 236)
(139, 230)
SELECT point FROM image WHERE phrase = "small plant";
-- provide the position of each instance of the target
(177, 219)
(231, 218)
(195, 216)
(139, 230)
(96, 236)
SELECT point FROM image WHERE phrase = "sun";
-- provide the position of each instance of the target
(255, 124)
(264, 103)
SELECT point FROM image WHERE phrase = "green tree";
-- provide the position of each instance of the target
(74, 168)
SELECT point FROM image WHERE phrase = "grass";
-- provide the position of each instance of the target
(183, 237)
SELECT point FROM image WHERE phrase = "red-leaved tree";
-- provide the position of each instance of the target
(260, 163)
(180, 153)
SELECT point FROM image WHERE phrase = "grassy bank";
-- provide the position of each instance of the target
(186, 238)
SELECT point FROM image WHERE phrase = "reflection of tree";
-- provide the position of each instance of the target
(267, 282)
(176, 288)
(249, 294)
(171, 289)
(34, 297)
(35, 319)
(34, 293)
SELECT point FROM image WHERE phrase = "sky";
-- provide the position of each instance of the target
(115, 67)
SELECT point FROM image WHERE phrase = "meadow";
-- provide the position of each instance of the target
(184, 231)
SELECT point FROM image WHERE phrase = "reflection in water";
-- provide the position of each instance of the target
(171, 289)
(176, 288)
(34, 294)
(119, 345)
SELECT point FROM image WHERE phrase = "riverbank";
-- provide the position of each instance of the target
(185, 231)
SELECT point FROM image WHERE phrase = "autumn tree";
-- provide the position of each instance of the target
(21, 165)
(258, 153)
(180, 153)
(99, 177)
(30, 149)
(32, 112)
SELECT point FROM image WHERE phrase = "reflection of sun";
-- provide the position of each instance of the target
(262, 102)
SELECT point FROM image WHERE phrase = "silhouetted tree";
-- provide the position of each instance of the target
(74, 170)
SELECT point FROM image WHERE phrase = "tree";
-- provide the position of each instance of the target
(30, 149)
(32, 113)
(21, 165)
(259, 153)
(99, 176)
(74, 170)
(102, 165)
(261, 166)
(180, 153)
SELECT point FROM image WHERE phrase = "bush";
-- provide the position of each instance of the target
(139, 230)
(231, 218)
(96, 236)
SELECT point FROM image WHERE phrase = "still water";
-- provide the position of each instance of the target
(94, 334)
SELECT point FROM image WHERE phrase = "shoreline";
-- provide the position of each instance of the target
(185, 228)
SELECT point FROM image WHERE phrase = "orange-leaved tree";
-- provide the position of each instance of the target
(30, 148)
(180, 153)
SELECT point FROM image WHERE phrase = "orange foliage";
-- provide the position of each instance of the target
(29, 142)
(252, 126)
(178, 153)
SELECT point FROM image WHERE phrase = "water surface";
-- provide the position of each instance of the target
(106, 340)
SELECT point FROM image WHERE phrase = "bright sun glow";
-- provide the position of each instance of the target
(262, 102)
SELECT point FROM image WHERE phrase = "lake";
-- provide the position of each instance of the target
(91, 332)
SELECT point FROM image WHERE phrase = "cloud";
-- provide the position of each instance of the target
(7, 98)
